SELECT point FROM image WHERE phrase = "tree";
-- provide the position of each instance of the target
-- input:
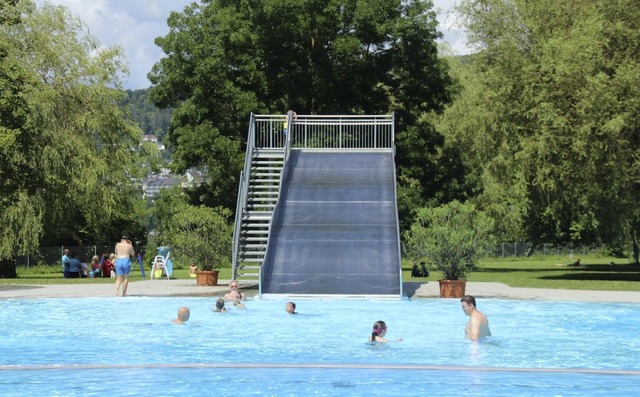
(552, 116)
(225, 59)
(65, 151)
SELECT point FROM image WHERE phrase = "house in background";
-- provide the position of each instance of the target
(165, 180)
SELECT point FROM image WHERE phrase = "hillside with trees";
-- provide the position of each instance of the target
(151, 119)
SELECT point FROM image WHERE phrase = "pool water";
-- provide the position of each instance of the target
(116, 346)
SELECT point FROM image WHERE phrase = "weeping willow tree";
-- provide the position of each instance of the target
(65, 144)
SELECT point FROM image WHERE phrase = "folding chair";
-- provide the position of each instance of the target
(161, 265)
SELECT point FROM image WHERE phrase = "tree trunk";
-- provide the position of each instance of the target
(636, 249)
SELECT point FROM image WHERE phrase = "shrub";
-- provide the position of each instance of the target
(450, 237)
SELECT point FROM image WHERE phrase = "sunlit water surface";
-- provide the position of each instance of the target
(116, 346)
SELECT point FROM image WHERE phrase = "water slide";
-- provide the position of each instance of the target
(334, 230)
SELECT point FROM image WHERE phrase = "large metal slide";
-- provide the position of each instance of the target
(334, 229)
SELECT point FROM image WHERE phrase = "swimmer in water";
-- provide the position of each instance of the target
(220, 306)
(290, 308)
(183, 315)
(379, 332)
(478, 325)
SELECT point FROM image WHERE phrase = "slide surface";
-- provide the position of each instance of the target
(334, 230)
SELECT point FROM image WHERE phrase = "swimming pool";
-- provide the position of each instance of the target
(115, 346)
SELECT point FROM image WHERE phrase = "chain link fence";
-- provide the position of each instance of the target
(52, 255)
(524, 249)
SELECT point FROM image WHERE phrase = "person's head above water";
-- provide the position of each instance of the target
(220, 305)
(183, 315)
(290, 307)
(378, 332)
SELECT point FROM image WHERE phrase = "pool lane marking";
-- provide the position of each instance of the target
(416, 367)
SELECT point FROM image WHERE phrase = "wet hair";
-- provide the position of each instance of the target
(220, 304)
(293, 305)
(378, 327)
(469, 300)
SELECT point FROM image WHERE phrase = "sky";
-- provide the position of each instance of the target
(134, 25)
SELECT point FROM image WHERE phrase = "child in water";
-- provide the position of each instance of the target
(220, 306)
(379, 332)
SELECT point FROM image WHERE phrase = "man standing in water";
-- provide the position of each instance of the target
(124, 252)
(478, 325)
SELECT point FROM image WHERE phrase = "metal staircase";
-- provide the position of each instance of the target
(261, 199)
(258, 194)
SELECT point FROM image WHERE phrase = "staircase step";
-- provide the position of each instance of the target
(254, 246)
(263, 190)
(252, 259)
(255, 231)
(265, 180)
(277, 170)
(264, 199)
(261, 206)
(259, 238)
(264, 216)
(249, 267)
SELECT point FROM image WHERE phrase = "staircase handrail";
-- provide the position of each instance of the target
(242, 195)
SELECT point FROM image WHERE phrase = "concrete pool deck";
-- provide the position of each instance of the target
(188, 287)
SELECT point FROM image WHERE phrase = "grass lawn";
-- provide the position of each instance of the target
(51, 275)
(595, 273)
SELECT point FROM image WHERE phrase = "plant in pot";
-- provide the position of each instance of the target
(450, 237)
(202, 235)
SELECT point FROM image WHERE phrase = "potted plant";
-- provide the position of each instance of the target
(450, 237)
(202, 235)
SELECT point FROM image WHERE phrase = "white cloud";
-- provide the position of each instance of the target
(449, 25)
(130, 24)
(134, 25)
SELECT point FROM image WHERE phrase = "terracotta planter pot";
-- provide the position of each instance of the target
(207, 278)
(452, 288)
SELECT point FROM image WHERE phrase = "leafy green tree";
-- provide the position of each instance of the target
(552, 116)
(225, 59)
(65, 150)
(451, 237)
(196, 233)
(202, 235)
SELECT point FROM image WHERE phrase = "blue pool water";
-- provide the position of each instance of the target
(116, 346)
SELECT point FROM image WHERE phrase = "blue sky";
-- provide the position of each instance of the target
(134, 24)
